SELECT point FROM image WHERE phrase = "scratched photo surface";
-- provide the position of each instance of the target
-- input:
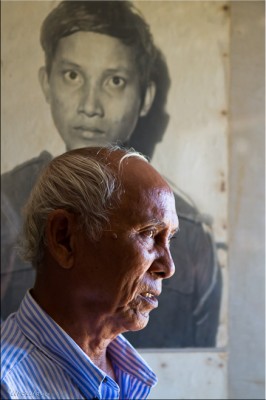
(185, 136)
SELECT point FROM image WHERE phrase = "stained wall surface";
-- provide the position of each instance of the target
(247, 203)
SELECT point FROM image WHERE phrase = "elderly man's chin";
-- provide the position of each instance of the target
(136, 320)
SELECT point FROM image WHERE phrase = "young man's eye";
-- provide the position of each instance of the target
(72, 76)
(117, 82)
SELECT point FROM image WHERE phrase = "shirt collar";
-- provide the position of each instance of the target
(126, 358)
(53, 341)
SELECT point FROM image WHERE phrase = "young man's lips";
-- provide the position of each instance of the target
(88, 132)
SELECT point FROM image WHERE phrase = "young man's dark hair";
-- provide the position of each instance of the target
(119, 19)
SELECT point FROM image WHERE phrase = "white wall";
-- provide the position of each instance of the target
(247, 203)
(194, 374)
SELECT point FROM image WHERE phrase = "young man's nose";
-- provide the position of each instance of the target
(90, 101)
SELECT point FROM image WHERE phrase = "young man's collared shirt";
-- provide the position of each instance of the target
(40, 360)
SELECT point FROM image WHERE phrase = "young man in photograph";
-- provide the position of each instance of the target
(101, 81)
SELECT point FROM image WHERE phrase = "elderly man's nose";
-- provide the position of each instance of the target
(164, 266)
(90, 101)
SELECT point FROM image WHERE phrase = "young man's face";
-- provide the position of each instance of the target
(94, 90)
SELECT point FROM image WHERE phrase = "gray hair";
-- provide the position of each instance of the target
(83, 182)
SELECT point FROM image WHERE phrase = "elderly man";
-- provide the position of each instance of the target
(97, 229)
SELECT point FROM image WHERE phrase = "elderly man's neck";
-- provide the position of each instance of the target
(91, 330)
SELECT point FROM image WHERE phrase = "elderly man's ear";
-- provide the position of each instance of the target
(148, 99)
(60, 235)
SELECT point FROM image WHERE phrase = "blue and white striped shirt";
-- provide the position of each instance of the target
(40, 360)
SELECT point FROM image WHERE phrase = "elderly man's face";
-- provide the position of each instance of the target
(94, 90)
(122, 273)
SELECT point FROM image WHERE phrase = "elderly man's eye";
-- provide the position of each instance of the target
(171, 238)
(150, 233)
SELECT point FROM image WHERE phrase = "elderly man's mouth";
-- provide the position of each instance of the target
(150, 299)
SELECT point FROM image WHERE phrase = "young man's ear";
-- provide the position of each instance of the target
(60, 233)
(148, 99)
(44, 82)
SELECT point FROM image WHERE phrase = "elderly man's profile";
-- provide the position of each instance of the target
(117, 97)
(100, 261)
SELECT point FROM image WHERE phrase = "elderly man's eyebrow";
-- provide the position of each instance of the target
(155, 222)
(176, 230)
(160, 224)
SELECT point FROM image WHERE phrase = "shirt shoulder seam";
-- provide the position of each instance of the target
(16, 364)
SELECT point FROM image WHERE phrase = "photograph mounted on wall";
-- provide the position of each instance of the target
(94, 73)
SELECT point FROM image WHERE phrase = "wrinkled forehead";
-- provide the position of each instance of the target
(137, 173)
(146, 198)
(141, 182)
